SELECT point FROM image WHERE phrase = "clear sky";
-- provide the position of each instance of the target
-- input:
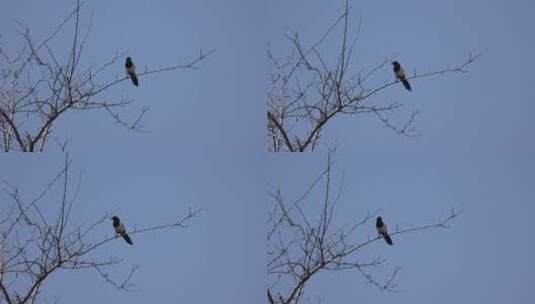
(476, 148)
(206, 148)
(488, 110)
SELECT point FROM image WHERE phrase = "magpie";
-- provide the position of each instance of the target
(381, 229)
(131, 70)
(400, 74)
(119, 229)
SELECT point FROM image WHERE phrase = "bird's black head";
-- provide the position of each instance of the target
(115, 220)
(395, 63)
(379, 222)
(128, 61)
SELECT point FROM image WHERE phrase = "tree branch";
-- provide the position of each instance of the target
(35, 244)
(304, 242)
(307, 91)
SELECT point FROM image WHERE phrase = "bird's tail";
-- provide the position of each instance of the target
(406, 84)
(134, 79)
(388, 239)
(126, 237)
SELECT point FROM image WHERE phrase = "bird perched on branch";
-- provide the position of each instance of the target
(131, 70)
(119, 229)
(381, 229)
(400, 74)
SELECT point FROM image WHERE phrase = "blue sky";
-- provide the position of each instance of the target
(483, 258)
(203, 125)
(206, 148)
(474, 112)
(475, 150)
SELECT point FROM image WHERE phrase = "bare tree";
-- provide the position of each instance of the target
(303, 244)
(39, 237)
(307, 91)
(39, 85)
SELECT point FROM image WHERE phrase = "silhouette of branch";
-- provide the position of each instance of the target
(38, 237)
(308, 91)
(38, 86)
(304, 241)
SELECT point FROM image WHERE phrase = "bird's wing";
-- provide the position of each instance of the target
(401, 73)
(120, 228)
(382, 229)
(131, 69)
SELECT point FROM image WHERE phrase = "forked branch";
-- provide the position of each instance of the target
(304, 241)
(38, 86)
(38, 237)
(308, 91)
